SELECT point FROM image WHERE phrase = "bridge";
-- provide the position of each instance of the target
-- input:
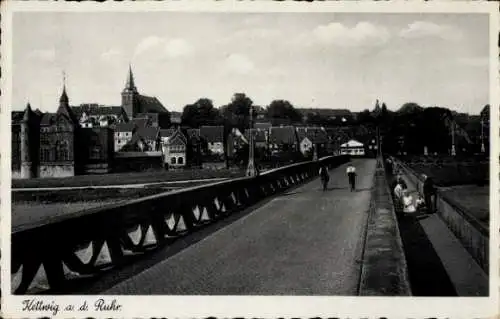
(274, 234)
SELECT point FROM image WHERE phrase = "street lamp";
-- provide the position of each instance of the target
(453, 151)
(251, 172)
(483, 148)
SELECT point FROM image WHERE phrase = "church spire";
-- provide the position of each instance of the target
(64, 96)
(130, 86)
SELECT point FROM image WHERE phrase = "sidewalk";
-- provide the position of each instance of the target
(438, 263)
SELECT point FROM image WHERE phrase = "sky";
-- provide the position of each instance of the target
(313, 60)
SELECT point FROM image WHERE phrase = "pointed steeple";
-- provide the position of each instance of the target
(130, 86)
(64, 108)
(27, 112)
(64, 96)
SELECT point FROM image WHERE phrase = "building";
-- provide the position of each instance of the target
(83, 139)
(123, 134)
(283, 139)
(93, 115)
(25, 143)
(136, 105)
(99, 142)
(312, 137)
(174, 148)
(56, 145)
(259, 137)
(353, 148)
(214, 137)
(59, 132)
(144, 139)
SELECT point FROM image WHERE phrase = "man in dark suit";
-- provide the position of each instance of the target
(429, 194)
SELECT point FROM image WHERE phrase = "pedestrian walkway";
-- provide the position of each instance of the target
(303, 242)
(438, 263)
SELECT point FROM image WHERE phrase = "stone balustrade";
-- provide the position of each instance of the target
(471, 233)
(45, 256)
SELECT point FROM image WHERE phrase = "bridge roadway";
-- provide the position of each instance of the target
(303, 242)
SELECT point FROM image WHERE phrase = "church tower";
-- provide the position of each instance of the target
(129, 96)
(26, 143)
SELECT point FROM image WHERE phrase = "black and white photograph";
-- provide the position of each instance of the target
(317, 152)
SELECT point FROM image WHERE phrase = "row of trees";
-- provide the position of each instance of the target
(409, 129)
(237, 112)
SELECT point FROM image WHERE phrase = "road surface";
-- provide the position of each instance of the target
(304, 242)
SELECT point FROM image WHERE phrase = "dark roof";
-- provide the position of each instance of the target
(153, 116)
(316, 135)
(48, 118)
(148, 133)
(212, 134)
(167, 132)
(283, 135)
(141, 122)
(259, 135)
(65, 110)
(125, 127)
(148, 104)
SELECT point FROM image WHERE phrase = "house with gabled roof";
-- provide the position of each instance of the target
(214, 137)
(174, 148)
(123, 134)
(311, 137)
(283, 138)
(144, 139)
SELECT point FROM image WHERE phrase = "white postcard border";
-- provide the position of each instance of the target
(256, 306)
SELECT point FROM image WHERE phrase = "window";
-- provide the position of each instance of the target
(172, 160)
(46, 155)
(181, 160)
(95, 152)
(62, 151)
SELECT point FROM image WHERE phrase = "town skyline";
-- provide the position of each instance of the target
(320, 60)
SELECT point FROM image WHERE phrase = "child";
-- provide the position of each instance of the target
(408, 206)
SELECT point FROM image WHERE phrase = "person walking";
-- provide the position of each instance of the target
(351, 174)
(429, 194)
(324, 176)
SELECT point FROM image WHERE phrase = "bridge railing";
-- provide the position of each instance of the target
(45, 256)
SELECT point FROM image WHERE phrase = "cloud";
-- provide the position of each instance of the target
(239, 63)
(47, 55)
(111, 55)
(422, 29)
(147, 44)
(172, 48)
(178, 47)
(362, 34)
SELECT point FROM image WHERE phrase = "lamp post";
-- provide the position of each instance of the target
(483, 148)
(453, 151)
(251, 172)
(315, 146)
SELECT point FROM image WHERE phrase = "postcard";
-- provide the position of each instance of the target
(199, 159)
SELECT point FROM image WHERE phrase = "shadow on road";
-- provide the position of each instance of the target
(427, 274)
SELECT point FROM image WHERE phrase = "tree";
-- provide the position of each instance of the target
(201, 112)
(283, 111)
(236, 113)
